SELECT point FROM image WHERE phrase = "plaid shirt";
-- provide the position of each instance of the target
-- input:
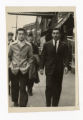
(20, 56)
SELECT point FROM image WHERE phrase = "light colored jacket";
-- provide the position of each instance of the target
(20, 56)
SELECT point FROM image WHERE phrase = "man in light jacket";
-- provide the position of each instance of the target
(20, 58)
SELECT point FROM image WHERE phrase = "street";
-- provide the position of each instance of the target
(67, 96)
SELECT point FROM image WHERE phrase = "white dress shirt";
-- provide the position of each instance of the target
(57, 44)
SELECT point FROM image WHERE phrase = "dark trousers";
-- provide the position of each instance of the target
(18, 88)
(53, 91)
(30, 85)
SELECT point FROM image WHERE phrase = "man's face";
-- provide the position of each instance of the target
(10, 37)
(29, 39)
(56, 34)
(28, 32)
(21, 35)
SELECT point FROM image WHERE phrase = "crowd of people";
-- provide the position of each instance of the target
(24, 62)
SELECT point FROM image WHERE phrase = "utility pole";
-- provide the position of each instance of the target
(16, 22)
(16, 25)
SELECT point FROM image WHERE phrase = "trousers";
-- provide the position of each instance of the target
(53, 91)
(18, 88)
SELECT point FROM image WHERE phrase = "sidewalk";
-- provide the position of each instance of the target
(67, 95)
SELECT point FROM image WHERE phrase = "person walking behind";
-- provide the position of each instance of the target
(10, 40)
(20, 58)
(33, 71)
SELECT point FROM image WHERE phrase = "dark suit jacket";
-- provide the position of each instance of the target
(33, 71)
(35, 48)
(54, 62)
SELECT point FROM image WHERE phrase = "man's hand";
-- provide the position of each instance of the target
(14, 69)
(41, 71)
(65, 70)
(24, 69)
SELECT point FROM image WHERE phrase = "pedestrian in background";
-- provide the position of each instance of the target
(33, 71)
(10, 38)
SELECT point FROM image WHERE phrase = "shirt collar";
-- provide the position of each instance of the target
(21, 44)
(56, 42)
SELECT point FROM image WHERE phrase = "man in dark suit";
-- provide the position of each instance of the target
(54, 58)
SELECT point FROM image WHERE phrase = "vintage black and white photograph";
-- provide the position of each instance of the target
(42, 57)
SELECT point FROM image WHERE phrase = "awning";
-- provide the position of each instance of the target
(31, 24)
(33, 13)
(63, 21)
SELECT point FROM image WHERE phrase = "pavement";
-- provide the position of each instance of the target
(67, 96)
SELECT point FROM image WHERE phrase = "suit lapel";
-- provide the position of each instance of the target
(52, 43)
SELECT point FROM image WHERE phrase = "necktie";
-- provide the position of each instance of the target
(55, 47)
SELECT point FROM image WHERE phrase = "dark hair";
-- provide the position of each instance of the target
(10, 33)
(56, 29)
(20, 29)
(30, 34)
(48, 36)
